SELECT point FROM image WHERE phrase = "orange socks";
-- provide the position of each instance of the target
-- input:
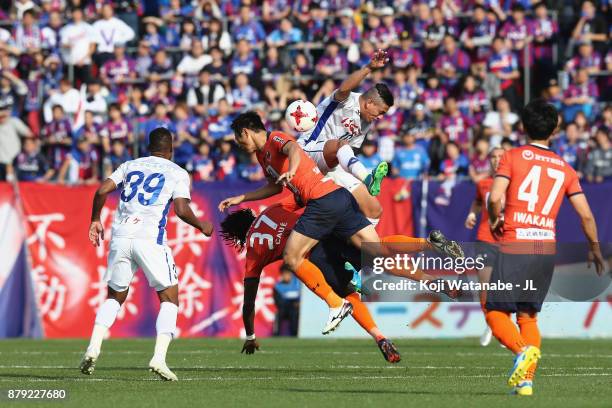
(405, 243)
(361, 314)
(504, 330)
(531, 334)
(312, 277)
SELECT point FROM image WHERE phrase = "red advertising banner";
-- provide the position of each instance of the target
(68, 270)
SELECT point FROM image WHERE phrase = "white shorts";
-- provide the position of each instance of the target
(340, 176)
(127, 254)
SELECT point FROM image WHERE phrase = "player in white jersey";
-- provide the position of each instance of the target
(148, 185)
(345, 119)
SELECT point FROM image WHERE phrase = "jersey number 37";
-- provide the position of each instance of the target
(148, 189)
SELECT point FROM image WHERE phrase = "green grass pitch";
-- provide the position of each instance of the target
(304, 373)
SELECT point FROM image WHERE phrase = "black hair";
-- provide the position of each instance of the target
(31, 12)
(451, 143)
(235, 226)
(540, 119)
(385, 93)
(248, 120)
(160, 140)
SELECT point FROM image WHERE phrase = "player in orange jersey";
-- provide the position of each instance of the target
(533, 181)
(264, 238)
(486, 242)
(328, 207)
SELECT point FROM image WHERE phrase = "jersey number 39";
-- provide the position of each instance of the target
(151, 187)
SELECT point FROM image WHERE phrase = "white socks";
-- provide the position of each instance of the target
(107, 313)
(348, 161)
(166, 327)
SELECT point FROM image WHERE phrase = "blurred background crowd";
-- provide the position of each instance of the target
(83, 82)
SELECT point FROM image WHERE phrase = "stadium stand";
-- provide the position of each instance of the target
(83, 82)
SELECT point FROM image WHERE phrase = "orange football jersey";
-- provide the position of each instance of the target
(538, 181)
(483, 188)
(308, 183)
(267, 237)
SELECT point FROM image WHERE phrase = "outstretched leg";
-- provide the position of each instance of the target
(296, 248)
(339, 152)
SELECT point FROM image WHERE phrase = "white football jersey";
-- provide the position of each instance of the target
(338, 120)
(148, 185)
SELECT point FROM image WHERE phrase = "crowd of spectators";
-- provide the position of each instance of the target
(83, 82)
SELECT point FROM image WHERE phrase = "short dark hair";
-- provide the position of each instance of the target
(385, 93)
(247, 120)
(379, 93)
(160, 140)
(235, 226)
(540, 119)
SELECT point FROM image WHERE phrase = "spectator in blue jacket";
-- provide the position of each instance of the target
(411, 160)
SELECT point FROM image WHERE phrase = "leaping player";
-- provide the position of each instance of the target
(328, 207)
(345, 119)
(148, 185)
(264, 238)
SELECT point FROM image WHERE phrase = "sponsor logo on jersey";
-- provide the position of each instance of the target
(534, 233)
(527, 154)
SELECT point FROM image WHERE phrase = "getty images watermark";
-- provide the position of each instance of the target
(408, 272)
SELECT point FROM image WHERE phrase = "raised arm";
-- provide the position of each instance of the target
(379, 59)
(581, 205)
(185, 213)
(96, 230)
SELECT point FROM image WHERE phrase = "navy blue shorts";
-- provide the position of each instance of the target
(531, 271)
(489, 252)
(329, 256)
(336, 212)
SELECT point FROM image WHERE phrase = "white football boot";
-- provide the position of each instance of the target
(336, 315)
(161, 369)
